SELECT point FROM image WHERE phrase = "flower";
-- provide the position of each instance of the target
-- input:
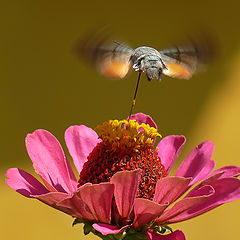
(124, 187)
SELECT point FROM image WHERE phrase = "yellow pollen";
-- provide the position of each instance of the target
(126, 135)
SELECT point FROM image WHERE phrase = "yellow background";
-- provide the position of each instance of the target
(43, 85)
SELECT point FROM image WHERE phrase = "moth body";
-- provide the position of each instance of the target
(148, 60)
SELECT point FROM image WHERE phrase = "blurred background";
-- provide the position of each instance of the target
(43, 85)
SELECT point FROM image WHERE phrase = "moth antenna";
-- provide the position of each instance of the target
(135, 94)
(116, 42)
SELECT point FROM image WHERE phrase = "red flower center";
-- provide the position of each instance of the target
(125, 146)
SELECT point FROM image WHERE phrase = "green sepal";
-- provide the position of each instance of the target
(135, 236)
(124, 236)
(163, 229)
(104, 237)
(87, 228)
(77, 221)
(120, 236)
(168, 228)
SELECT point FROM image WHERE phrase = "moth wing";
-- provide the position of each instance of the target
(116, 62)
(178, 68)
(183, 62)
(111, 59)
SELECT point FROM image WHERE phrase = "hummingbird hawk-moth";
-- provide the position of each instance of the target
(114, 59)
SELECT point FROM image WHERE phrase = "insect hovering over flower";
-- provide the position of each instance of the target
(114, 59)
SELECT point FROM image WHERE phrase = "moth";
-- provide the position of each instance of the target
(114, 59)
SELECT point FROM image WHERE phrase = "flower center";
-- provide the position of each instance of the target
(127, 135)
(126, 145)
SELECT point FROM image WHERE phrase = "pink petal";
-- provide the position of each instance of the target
(168, 189)
(146, 211)
(226, 190)
(27, 185)
(169, 149)
(106, 229)
(185, 204)
(224, 172)
(53, 198)
(143, 118)
(91, 202)
(125, 190)
(209, 166)
(205, 182)
(99, 200)
(198, 164)
(49, 161)
(177, 235)
(77, 206)
(227, 171)
(24, 183)
(80, 141)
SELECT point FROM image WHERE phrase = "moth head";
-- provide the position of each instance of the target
(153, 73)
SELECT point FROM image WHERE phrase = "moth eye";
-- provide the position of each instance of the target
(114, 68)
(177, 70)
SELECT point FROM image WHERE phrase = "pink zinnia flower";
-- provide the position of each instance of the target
(124, 187)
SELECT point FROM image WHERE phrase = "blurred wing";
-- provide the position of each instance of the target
(183, 62)
(110, 59)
